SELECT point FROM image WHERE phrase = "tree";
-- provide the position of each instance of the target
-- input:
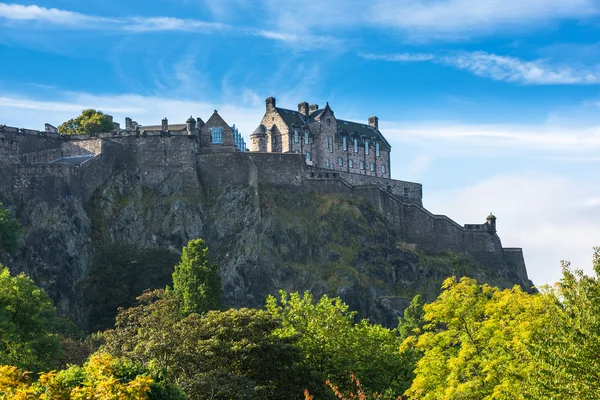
(28, 324)
(89, 122)
(476, 343)
(569, 344)
(334, 347)
(224, 355)
(196, 280)
(9, 230)
(102, 377)
(412, 321)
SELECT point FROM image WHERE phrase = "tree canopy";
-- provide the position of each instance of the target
(196, 280)
(9, 230)
(28, 324)
(89, 122)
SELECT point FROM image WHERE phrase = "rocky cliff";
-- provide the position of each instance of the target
(94, 255)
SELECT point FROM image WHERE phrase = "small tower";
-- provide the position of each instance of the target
(258, 139)
(190, 125)
(165, 124)
(491, 222)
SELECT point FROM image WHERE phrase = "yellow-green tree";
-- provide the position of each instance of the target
(101, 378)
(476, 344)
(89, 122)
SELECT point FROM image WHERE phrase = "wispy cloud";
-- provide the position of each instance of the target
(399, 57)
(62, 19)
(503, 68)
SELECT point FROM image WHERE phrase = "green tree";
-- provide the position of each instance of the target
(28, 324)
(89, 122)
(334, 347)
(224, 355)
(476, 343)
(196, 280)
(569, 344)
(413, 320)
(9, 230)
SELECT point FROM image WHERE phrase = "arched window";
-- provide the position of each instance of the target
(361, 165)
(377, 149)
(372, 167)
(382, 168)
(345, 142)
(367, 147)
(350, 164)
(355, 145)
(340, 161)
(296, 136)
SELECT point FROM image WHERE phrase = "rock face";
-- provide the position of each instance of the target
(96, 253)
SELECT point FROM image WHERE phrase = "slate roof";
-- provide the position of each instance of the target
(291, 117)
(172, 127)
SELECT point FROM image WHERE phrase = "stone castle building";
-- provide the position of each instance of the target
(324, 140)
(309, 150)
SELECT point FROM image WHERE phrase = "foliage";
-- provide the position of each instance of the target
(118, 274)
(219, 355)
(357, 393)
(475, 345)
(28, 324)
(196, 280)
(570, 343)
(412, 321)
(9, 230)
(102, 377)
(89, 122)
(334, 347)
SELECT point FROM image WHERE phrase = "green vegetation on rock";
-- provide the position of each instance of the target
(9, 230)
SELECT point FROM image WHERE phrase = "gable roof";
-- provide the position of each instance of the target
(362, 130)
(291, 117)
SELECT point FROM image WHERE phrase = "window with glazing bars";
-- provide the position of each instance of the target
(217, 135)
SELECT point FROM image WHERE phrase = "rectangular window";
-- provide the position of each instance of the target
(306, 138)
(326, 142)
(296, 137)
(307, 156)
(350, 164)
(383, 169)
(361, 165)
(372, 167)
(340, 161)
(217, 135)
(355, 145)
(345, 143)
(377, 149)
(367, 147)
(331, 147)
(327, 163)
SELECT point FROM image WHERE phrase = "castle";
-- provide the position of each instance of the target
(305, 150)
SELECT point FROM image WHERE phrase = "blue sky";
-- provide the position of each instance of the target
(494, 105)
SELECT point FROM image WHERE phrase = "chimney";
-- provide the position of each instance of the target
(117, 127)
(128, 124)
(313, 107)
(374, 122)
(303, 108)
(271, 103)
(165, 124)
(199, 123)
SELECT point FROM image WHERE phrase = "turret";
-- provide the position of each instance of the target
(190, 125)
(491, 222)
(165, 124)
(258, 139)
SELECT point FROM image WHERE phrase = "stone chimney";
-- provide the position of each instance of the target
(165, 124)
(117, 127)
(271, 103)
(199, 123)
(303, 108)
(128, 122)
(313, 107)
(374, 122)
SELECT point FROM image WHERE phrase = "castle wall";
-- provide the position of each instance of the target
(514, 258)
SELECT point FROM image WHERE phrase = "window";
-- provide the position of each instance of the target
(296, 137)
(305, 138)
(327, 142)
(340, 161)
(355, 145)
(217, 135)
(327, 163)
(361, 165)
(308, 156)
(367, 147)
(350, 164)
(383, 169)
(377, 149)
(331, 147)
(345, 141)
(372, 167)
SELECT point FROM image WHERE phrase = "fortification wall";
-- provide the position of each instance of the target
(514, 258)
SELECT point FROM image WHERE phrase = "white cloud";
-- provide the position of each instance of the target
(511, 69)
(399, 57)
(503, 68)
(20, 12)
(548, 216)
